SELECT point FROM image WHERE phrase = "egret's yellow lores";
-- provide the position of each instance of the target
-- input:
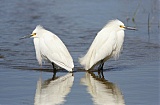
(49, 47)
(107, 44)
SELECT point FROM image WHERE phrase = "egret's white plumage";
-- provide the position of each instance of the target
(108, 43)
(49, 47)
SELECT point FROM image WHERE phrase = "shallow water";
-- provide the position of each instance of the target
(131, 80)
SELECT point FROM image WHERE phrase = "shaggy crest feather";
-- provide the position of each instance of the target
(39, 27)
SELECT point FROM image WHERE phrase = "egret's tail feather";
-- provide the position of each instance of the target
(83, 61)
(67, 67)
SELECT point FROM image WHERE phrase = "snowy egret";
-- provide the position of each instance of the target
(49, 47)
(107, 44)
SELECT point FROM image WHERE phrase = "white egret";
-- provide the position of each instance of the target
(49, 47)
(108, 43)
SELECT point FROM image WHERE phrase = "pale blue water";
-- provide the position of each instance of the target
(134, 78)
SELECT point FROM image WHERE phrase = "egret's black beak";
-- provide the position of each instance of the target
(130, 28)
(27, 36)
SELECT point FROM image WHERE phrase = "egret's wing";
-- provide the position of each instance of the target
(109, 47)
(102, 37)
(101, 47)
(56, 51)
(37, 49)
(106, 48)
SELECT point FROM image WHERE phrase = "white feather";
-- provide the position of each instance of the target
(49, 47)
(106, 44)
(37, 49)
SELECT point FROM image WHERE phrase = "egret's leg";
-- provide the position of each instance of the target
(54, 71)
(100, 69)
(102, 74)
(101, 65)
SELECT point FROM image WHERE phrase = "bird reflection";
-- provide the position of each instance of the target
(53, 92)
(102, 91)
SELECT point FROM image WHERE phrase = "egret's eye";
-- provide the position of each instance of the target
(121, 26)
(33, 34)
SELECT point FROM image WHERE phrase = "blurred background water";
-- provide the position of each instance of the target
(76, 23)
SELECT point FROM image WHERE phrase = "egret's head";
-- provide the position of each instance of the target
(120, 25)
(36, 32)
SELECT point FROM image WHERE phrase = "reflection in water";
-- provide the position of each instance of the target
(102, 91)
(53, 92)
